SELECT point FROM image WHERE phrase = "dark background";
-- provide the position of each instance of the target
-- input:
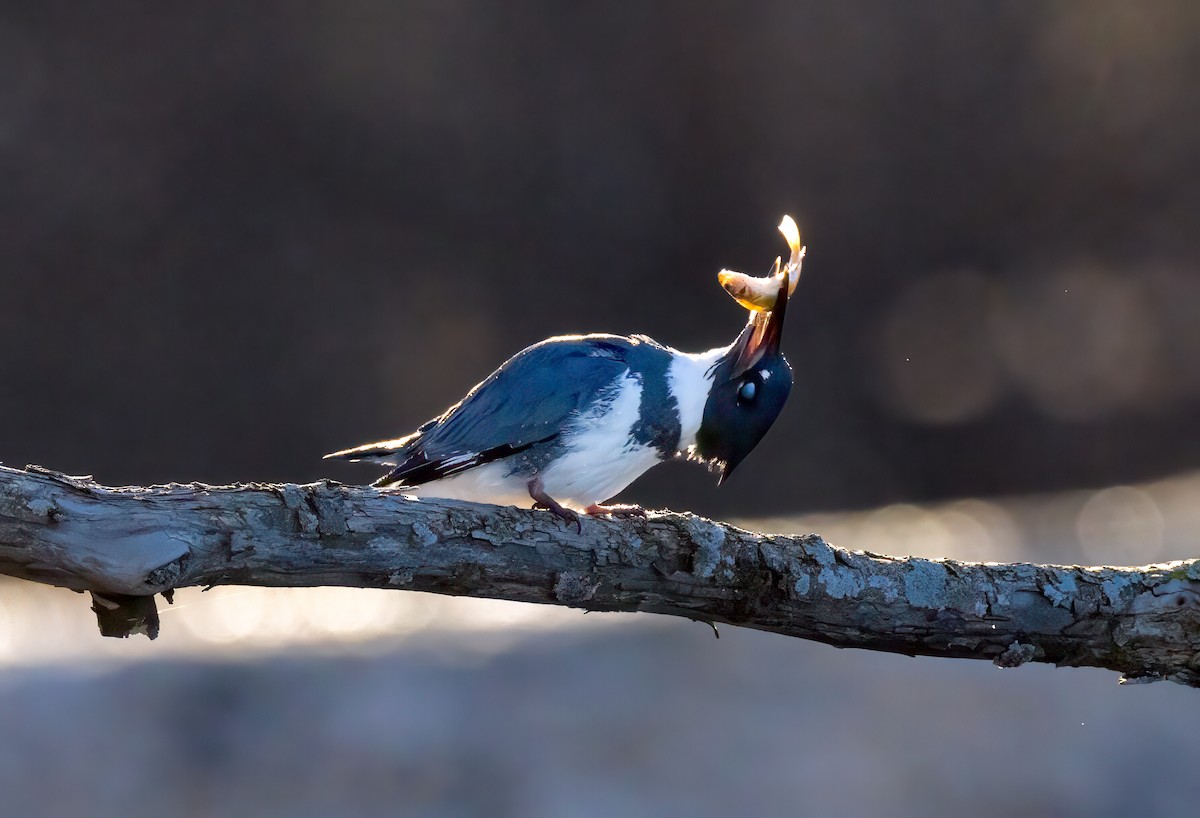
(234, 236)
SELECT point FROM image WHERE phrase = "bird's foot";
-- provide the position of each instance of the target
(616, 510)
(543, 501)
(562, 513)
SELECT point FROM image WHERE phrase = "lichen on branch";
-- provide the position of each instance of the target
(128, 544)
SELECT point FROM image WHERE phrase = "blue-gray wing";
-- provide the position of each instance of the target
(529, 400)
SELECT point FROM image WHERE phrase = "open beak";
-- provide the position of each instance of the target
(760, 338)
(762, 335)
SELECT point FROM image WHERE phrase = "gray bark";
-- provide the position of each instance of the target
(127, 544)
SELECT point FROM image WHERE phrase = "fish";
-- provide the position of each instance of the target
(758, 293)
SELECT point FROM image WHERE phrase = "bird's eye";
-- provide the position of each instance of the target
(746, 392)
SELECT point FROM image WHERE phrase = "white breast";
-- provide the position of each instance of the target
(690, 379)
(601, 457)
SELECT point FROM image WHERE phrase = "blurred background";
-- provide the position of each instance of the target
(234, 237)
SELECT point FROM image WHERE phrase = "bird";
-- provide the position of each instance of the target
(571, 421)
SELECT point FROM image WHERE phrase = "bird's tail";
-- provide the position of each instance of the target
(387, 452)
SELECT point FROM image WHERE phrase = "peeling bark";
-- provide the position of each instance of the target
(127, 544)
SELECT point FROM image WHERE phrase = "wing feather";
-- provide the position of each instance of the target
(529, 400)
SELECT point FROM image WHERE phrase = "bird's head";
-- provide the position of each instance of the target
(751, 383)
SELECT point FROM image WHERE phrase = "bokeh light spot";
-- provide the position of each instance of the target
(1120, 526)
(1081, 342)
(937, 359)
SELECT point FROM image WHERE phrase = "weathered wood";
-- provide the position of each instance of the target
(137, 542)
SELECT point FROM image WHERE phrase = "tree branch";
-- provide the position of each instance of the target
(125, 545)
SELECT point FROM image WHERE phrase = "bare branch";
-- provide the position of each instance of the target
(127, 544)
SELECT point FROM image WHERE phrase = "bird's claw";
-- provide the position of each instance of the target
(562, 513)
(543, 501)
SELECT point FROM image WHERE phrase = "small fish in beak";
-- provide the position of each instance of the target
(758, 293)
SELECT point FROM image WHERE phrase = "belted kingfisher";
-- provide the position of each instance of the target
(571, 421)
